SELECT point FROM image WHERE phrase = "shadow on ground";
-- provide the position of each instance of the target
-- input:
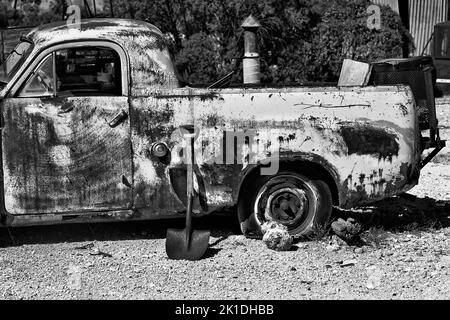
(403, 213)
(221, 226)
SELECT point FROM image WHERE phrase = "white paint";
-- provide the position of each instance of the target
(60, 155)
(303, 111)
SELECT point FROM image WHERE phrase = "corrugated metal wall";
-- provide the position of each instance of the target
(391, 3)
(423, 15)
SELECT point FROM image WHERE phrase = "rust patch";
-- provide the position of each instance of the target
(369, 140)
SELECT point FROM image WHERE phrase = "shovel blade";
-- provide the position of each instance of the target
(184, 245)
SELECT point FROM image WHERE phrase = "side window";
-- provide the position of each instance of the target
(41, 80)
(88, 71)
(80, 71)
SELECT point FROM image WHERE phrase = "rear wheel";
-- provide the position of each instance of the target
(297, 201)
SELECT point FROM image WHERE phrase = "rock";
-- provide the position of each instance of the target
(74, 277)
(445, 260)
(339, 226)
(359, 250)
(348, 263)
(301, 245)
(347, 230)
(276, 236)
(337, 241)
(333, 247)
(97, 252)
(239, 240)
(272, 225)
(375, 276)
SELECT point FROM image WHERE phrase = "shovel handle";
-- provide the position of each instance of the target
(189, 182)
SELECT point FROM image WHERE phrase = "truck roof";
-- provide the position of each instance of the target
(120, 30)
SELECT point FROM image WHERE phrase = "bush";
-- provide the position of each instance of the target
(199, 59)
(299, 40)
(333, 33)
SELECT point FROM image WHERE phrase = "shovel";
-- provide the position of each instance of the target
(187, 244)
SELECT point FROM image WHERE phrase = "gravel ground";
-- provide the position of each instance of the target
(406, 255)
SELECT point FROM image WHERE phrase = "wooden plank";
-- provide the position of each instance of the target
(354, 73)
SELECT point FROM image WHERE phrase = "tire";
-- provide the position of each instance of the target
(301, 203)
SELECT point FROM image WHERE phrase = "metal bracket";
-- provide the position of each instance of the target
(439, 145)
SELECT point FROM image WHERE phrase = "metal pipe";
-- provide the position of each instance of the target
(251, 64)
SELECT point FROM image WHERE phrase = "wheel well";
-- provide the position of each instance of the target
(302, 167)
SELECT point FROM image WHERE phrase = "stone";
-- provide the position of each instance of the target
(348, 263)
(276, 236)
(335, 240)
(333, 247)
(359, 250)
(347, 230)
(445, 260)
(374, 277)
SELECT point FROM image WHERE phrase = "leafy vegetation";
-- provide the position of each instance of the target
(299, 41)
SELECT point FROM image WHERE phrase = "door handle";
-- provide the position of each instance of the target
(118, 119)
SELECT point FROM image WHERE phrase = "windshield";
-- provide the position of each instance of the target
(14, 60)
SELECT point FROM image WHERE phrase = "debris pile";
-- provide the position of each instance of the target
(94, 250)
(348, 231)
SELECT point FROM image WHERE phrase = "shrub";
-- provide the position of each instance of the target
(298, 41)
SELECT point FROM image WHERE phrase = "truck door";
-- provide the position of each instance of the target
(66, 133)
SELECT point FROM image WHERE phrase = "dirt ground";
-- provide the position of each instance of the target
(406, 255)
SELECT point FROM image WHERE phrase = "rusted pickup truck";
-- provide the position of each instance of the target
(92, 122)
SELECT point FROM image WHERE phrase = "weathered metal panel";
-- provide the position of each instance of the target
(60, 155)
(370, 140)
(423, 15)
(152, 122)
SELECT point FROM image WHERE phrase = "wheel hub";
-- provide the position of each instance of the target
(287, 205)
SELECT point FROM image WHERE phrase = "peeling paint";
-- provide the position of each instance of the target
(366, 139)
